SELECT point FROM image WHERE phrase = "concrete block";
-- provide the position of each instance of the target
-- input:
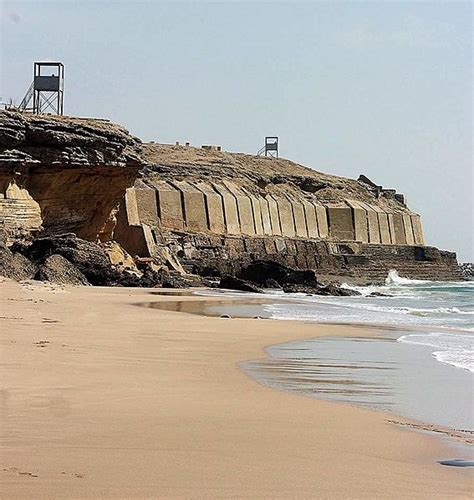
(214, 208)
(231, 214)
(257, 215)
(311, 220)
(384, 229)
(417, 230)
(359, 215)
(146, 205)
(265, 211)
(408, 229)
(170, 209)
(286, 217)
(195, 216)
(280, 245)
(299, 219)
(373, 223)
(244, 207)
(340, 223)
(131, 206)
(322, 216)
(400, 236)
(391, 226)
(149, 239)
(274, 216)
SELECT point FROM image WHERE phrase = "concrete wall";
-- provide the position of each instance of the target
(228, 208)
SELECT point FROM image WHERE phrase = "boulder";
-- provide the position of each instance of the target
(89, 258)
(57, 269)
(260, 272)
(14, 265)
(233, 283)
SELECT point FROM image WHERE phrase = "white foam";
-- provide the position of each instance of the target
(394, 278)
(453, 349)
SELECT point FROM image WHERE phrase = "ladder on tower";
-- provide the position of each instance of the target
(27, 99)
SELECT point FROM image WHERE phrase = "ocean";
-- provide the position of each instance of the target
(419, 364)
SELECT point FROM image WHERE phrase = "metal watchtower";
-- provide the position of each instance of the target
(47, 91)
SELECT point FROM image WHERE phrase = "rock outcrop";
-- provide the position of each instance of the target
(191, 216)
(68, 174)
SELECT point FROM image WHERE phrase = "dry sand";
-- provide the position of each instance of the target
(102, 398)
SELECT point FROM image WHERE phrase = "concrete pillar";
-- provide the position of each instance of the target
(265, 211)
(408, 229)
(231, 214)
(169, 206)
(244, 206)
(417, 230)
(299, 218)
(214, 208)
(359, 215)
(257, 214)
(286, 217)
(340, 223)
(373, 223)
(131, 207)
(274, 216)
(322, 216)
(311, 220)
(195, 216)
(399, 226)
(146, 206)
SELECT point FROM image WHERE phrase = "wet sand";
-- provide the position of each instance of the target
(102, 398)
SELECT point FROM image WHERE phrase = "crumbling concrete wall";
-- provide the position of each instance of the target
(230, 208)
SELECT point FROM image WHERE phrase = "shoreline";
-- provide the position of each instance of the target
(201, 306)
(126, 401)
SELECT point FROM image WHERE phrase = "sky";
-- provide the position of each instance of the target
(380, 88)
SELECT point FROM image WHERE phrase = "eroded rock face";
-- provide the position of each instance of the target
(75, 169)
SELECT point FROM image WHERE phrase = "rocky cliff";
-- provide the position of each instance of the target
(203, 211)
(67, 174)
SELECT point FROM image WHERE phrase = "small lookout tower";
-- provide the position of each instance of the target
(271, 147)
(47, 90)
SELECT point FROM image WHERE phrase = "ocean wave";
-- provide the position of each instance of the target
(453, 349)
(394, 278)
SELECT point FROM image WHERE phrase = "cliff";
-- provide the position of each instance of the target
(67, 174)
(203, 211)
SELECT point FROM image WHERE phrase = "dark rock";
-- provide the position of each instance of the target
(467, 270)
(233, 283)
(332, 289)
(260, 272)
(89, 258)
(271, 283)
(379, 294)
(57, 269)
(14, 265)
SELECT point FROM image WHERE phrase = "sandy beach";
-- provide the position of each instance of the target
(103, 398)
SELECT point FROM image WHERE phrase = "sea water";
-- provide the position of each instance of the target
(448, 307)
(421, 367)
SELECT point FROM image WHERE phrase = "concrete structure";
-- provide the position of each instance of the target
(228, 208)
(311, 220)
(399, 227)
(214, 208)
(408, 229)
(340, 223)
(231, 214)
(244, 205)
(417, 230)
(274, 216)
(169, 205)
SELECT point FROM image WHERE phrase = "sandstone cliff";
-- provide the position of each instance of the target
(68, 173)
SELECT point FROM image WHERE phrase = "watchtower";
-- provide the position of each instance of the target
(47, 90)
(271, 146)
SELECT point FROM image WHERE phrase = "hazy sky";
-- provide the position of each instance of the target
(380, 88)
